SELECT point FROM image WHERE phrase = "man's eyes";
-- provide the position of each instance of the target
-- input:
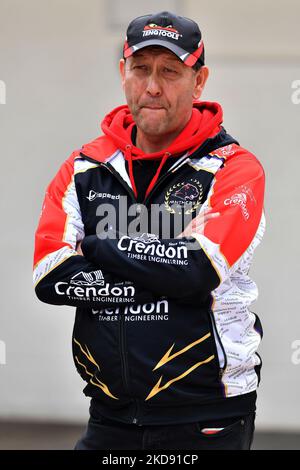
(166, 70)
(169, 70)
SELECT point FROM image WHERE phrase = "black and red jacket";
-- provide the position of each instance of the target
(163, 333)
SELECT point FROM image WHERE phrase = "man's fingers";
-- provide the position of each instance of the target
(211, 215)
(197, 224)
(202, 218)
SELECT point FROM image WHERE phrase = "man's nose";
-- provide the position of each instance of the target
(153, 85)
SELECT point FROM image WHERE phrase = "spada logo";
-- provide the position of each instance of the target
(186, 196)
(169, 31)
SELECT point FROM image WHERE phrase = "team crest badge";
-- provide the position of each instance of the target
(184, 197)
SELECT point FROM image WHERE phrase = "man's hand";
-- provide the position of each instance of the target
(197, 224)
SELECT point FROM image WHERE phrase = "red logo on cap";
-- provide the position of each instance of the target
(166, 28)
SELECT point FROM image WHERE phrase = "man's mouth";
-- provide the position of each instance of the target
(153, 107)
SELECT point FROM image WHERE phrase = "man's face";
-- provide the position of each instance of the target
(160, 89)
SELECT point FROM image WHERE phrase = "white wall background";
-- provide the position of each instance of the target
(58, 61)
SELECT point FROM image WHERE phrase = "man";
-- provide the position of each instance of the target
(163, 334)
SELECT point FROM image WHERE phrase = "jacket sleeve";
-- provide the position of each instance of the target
(196, 265)
(61, 276)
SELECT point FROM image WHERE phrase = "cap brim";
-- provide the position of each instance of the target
(181, 53)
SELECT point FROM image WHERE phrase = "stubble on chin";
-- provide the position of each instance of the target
(151, 126)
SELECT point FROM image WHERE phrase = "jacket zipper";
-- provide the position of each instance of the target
(111, 169)
(124, 365)
(163, 178)
(218, 339)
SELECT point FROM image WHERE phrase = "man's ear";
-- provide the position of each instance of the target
(122, 71)
(200, 81)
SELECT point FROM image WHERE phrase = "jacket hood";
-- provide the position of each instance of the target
(205, 122)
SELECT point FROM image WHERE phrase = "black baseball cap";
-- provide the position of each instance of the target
(177, 33)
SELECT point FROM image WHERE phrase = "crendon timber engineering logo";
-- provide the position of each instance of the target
(243, 197)
(91, 286)
(154, 311)
(157, 252)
